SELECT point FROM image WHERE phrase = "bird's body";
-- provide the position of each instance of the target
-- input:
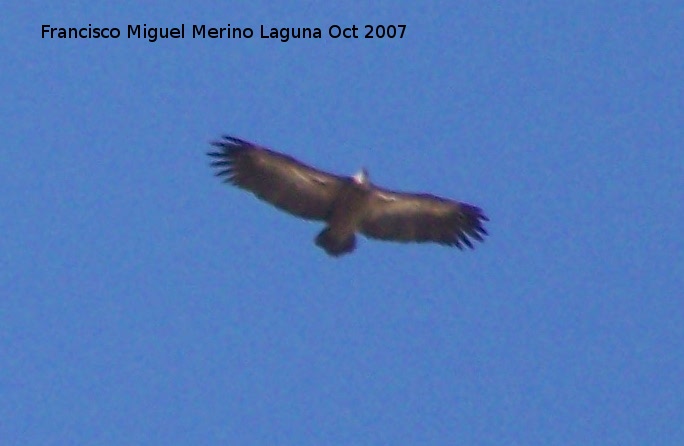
(346, 216)
(347, 204)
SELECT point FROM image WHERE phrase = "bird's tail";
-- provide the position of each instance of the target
(334, 245)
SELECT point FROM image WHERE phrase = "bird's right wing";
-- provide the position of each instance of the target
(278, 179)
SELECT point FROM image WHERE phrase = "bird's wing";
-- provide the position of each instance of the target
(276, 178)
(406, 217)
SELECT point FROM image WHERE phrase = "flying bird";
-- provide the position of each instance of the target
(346, 204)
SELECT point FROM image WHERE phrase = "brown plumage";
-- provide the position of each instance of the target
(347, 204)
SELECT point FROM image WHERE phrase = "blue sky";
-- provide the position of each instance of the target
(146, 303)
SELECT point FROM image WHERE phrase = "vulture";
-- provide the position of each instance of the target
(346, 204)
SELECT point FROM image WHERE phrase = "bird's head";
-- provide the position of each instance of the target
(361, 177)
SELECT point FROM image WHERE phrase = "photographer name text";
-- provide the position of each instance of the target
(153, 34)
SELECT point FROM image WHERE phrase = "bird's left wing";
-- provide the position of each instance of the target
(406, 217)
